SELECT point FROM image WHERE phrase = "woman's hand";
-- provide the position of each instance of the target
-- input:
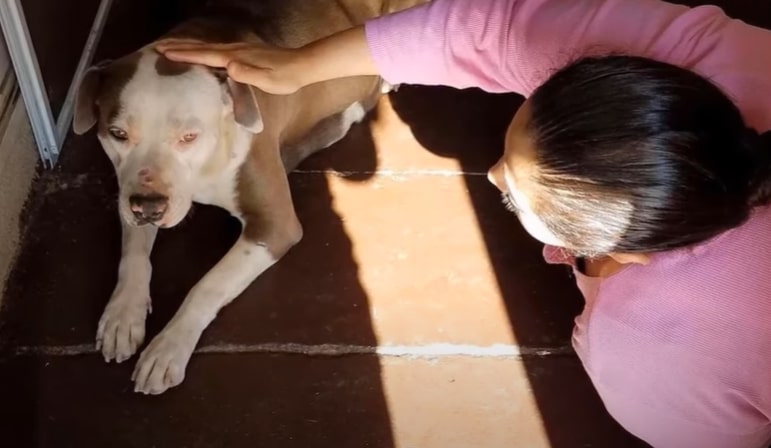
(280, 70)
(271, 69)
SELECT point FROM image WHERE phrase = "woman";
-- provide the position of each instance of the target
(639, 172)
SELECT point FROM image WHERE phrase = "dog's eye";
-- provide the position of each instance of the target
(189, 137)
(118, 134)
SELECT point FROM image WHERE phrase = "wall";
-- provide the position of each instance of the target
(18, 162)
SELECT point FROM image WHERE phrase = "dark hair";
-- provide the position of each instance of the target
(635, 155)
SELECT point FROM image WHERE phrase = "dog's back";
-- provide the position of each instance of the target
(286, 23)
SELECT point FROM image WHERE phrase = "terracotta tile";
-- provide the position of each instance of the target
(494, 403)
(295, 401)
(428, 272)
(230, 401)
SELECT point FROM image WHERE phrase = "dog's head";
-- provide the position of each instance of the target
(163, 125)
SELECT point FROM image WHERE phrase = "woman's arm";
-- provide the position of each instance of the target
(514, 45)
(281, 70)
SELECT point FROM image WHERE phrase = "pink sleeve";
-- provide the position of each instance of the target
(662, 428)
(514, 45)
(677, 399)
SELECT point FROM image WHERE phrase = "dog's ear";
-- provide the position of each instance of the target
(85, 113)
(245, 109)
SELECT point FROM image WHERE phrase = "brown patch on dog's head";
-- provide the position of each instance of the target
(166, 67)
(99, 92)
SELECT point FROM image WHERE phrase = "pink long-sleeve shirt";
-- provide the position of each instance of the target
(680, 349)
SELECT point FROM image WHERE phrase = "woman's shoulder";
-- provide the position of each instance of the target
(714, 297)
(693, 326)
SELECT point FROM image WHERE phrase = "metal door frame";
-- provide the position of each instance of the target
(49, 133)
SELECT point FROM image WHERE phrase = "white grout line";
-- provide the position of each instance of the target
(56, 350)
(393, 173)
(429, 351)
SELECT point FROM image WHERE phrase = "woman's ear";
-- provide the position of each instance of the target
(634, 258)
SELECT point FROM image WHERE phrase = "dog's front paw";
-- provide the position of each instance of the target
(122, 327)
(162, 364)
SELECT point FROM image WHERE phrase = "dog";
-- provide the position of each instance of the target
(179, 133)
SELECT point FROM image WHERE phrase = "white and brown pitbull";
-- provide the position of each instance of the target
(179, 133)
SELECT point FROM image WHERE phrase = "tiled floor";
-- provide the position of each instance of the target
(406, 252)
(416, 313)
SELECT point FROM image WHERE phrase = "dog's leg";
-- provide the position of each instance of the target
(325, 134)
(121, 329)
(271, 228)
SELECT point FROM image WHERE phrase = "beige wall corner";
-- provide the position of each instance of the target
(18, 163)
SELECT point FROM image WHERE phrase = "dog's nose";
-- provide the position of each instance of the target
(148, 208)
(145, 176)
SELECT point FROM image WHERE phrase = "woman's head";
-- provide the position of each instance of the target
(627, 155)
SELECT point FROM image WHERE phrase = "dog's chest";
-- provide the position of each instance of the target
(220, 186)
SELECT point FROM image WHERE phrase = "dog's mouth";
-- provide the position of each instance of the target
(154, 210)
(144, 222)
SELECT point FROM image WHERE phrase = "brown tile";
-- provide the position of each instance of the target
(226, 401)
(281, 401)
(66, 266)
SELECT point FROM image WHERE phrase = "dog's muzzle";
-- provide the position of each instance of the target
(148, 209)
